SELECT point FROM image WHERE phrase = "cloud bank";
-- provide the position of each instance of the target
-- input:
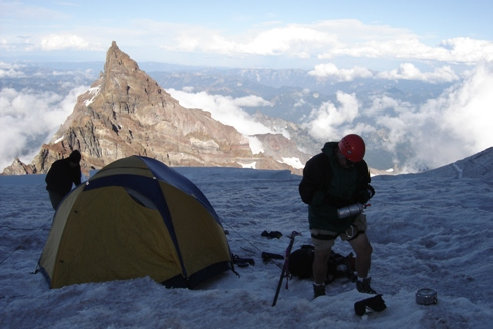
(27, 116)
(225, 109)
(331, 39)
(330, 70)
(406, 71)
(299, 44)
(63, 41)
(453, 126)
(329, 120)
(10, 70)
(462, 119)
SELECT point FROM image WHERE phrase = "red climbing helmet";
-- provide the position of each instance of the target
(352, 147)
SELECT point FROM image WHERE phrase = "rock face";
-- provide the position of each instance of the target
(19, 168)
(125, 112)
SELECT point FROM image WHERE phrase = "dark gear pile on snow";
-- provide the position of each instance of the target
(243, 262)
(372, 304)
(267, 256)
(301, 260)
(272, 234)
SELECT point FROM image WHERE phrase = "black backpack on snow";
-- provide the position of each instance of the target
(301, 260)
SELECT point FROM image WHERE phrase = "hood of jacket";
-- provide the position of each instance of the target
(330, 148)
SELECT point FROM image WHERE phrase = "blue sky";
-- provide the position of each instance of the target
(319, 35)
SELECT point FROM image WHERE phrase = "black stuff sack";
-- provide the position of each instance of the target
(301, 260)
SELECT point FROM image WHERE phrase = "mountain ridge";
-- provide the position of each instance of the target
(126, 112)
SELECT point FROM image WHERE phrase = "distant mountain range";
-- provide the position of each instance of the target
(125, 112)
(291, 97)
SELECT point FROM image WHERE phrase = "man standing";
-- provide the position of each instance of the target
(336, 178)
(60, 177)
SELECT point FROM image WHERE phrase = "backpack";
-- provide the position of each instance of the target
(301, 260)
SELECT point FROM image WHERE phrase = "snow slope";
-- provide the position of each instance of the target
(428, 230)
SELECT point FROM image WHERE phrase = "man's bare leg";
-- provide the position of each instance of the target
(320, 260)
(363, 249)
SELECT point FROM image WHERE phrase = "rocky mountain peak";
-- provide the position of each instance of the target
(118, 61)
(125, 112)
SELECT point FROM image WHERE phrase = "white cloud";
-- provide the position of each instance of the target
(384, 102)
(26, 116)
(468, 50)
(457, 50)
(10, 70)
(322, 40)
(453, 126)
(408, 71)
(63, 41)
(292, 40)
(334, 39)
(225, 109)
(330, 70)
(330, 122)
(251, 101)
(466, 115)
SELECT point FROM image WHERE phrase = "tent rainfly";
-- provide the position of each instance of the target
(136, 217)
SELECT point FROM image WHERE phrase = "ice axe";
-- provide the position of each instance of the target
(285, 269)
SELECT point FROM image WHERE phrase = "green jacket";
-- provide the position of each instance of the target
(326, 186)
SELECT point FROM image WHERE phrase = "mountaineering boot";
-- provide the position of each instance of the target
(318, 290)
(363, 286)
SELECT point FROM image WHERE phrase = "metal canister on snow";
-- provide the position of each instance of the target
(426, 296)
(351, 210)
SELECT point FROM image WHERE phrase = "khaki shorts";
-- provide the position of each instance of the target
(324, 240)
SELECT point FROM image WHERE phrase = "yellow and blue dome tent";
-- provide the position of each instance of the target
(136, 217)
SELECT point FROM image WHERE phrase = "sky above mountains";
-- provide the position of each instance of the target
(330, 37)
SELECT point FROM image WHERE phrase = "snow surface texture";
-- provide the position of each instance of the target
(430, 230)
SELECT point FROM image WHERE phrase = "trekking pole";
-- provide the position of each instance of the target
(285, 268)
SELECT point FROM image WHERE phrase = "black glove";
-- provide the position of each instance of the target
(364, 195)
